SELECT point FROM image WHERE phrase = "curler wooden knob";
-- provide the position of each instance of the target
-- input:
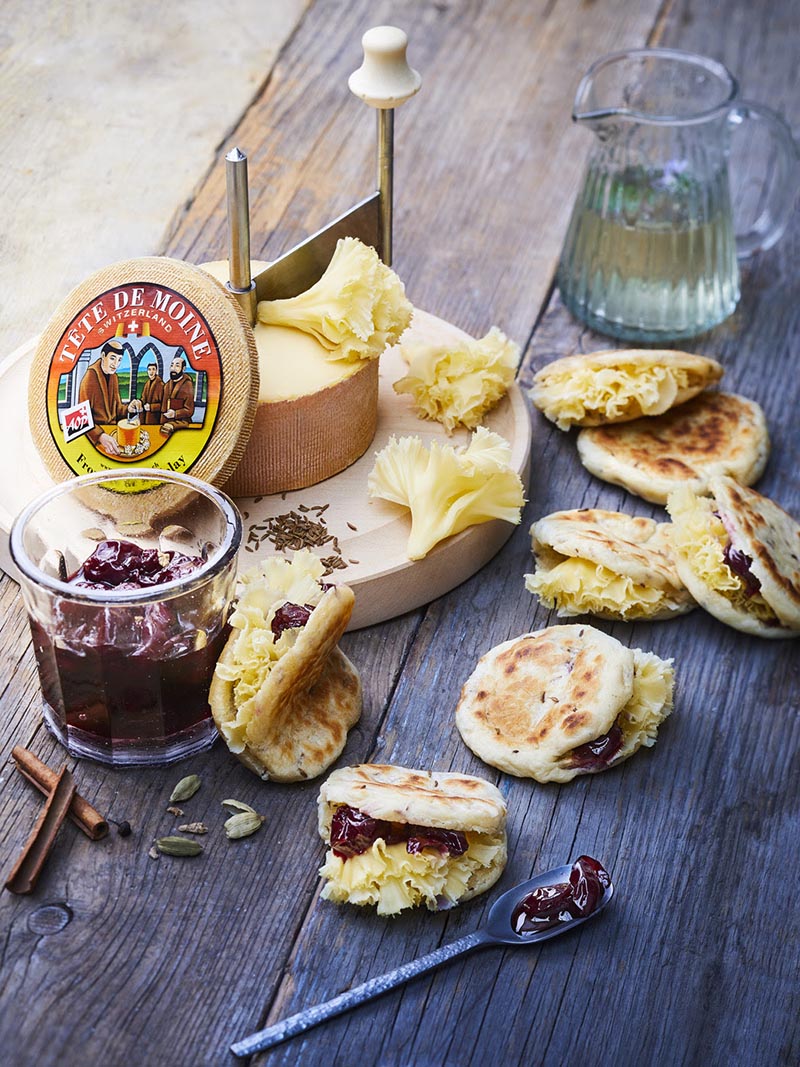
(384, 79)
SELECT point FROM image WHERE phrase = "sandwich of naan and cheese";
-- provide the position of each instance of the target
(398, 838)
(563, 701)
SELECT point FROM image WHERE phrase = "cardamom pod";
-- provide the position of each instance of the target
(193, 828)
(243, 824)
(237, 805)
(186, 787)
(178, 846)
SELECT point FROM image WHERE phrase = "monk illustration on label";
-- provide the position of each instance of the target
(178, 401)
(152, 396)
(100, 387)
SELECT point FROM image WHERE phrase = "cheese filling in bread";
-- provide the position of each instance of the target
(637, 723)
(579, 586)
(263, 591)
(610, 394)
(699, 534)
(393, 878)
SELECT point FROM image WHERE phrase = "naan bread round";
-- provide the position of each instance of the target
(762, 536)
(307, 703)
(440, 799)
(532, 701)
(714, 434)
(619, 385)
(607, 564)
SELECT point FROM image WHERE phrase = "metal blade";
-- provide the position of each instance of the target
(298, 269)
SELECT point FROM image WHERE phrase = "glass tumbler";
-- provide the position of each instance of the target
(125, 670)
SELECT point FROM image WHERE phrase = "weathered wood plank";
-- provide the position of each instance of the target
(166, 962)
(689, 829)
(111, 115)
(200, 939)
(486, 157)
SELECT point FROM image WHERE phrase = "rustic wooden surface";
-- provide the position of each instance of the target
(119, 958)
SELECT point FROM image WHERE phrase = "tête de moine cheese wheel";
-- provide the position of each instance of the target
(315, 416)
(147, 363)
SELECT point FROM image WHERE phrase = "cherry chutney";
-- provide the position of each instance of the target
(550, 905)
(353, 833)
(128, 674)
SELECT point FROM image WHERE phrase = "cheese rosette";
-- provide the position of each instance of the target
(283, 694)
(606, 563)
(458, 382)
(401, 838)
(618, 386)
(738, 553)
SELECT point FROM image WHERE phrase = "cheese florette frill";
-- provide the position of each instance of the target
(283, 694)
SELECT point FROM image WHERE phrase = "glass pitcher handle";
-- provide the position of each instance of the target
(772, 221)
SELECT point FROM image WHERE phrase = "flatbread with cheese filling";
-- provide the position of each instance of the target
(563, 701)
(607, 564)
(619, 385)
(714, 434)
(399, 838)
(739, 554)
(283, 694)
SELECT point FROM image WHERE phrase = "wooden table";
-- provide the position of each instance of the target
(118, 958)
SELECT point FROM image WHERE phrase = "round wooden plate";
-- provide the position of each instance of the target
(370, 535)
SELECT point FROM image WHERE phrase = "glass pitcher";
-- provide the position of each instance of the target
(651, 253)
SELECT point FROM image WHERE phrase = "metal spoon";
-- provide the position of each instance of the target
(498, 931)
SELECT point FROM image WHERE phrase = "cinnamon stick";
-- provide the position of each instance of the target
(28, 867)
(39, 774)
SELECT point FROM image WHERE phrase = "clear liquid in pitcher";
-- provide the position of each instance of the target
(650, 254)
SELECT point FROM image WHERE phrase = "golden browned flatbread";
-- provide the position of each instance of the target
(534, 705)
(284, 706)
(620, 385)
(739, 554)
(394, 876)
(714, 434)
(607, 564)
(444, 799)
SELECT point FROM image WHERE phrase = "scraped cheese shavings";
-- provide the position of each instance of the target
(610, 393)
(578, 587)
(393, 878)
(445, 489)
(356, 310)
(262, 591)
(456, 384)
(701, 538)
(651, 700)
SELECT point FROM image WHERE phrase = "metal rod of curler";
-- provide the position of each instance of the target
(241, 284)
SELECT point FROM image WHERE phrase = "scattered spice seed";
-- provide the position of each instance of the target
(178, 846)
(123, 828)
(243, 824)
(350, 526)
(294, 530)
(154, 853)
(186, 788)
(177, 812)
(194, 828)
(238, 805)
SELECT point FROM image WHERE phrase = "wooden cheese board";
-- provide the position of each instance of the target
(365, 538)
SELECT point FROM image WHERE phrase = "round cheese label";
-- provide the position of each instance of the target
(156, 369)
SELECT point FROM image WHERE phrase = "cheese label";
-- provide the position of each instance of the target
(134, 378)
